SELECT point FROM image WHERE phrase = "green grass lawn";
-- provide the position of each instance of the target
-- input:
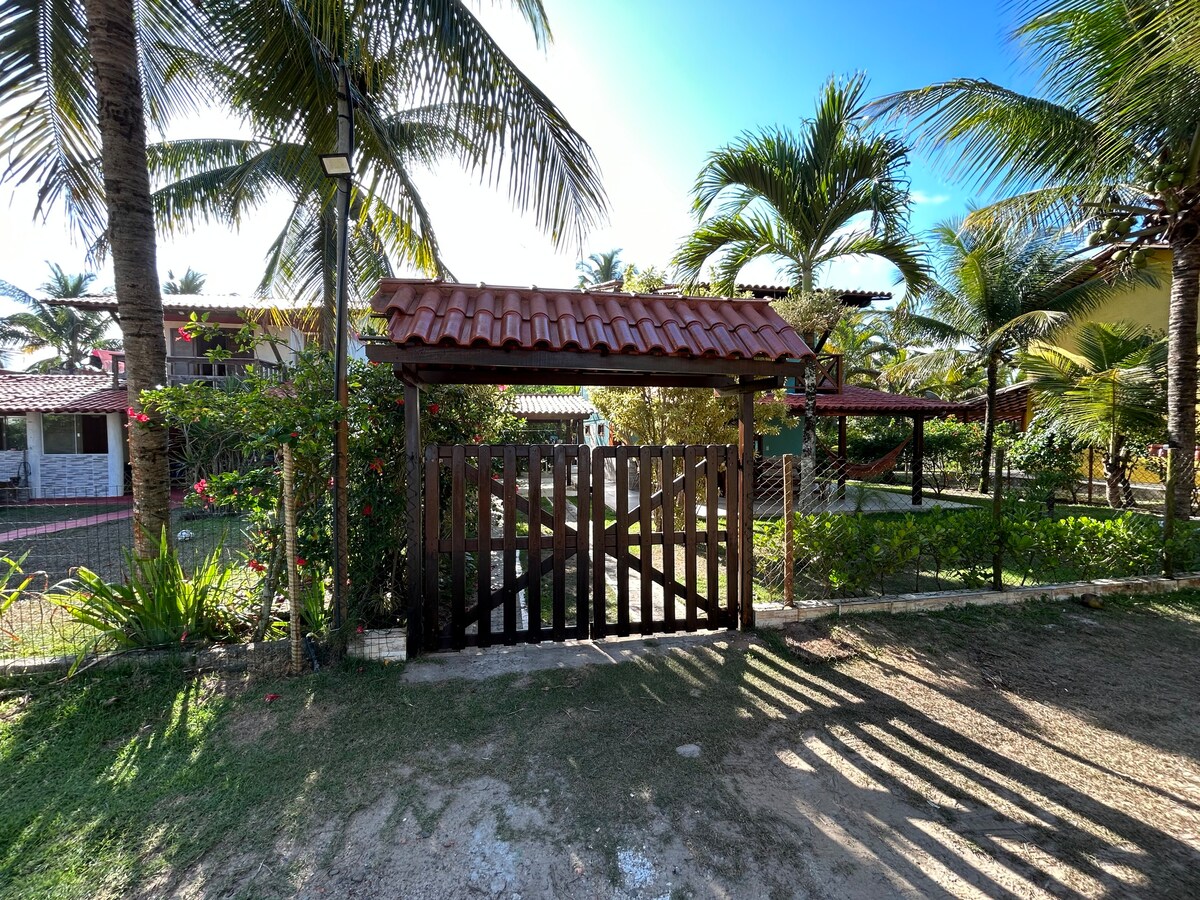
(129, 782)
(34, 514)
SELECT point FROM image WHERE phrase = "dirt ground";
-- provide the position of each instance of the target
(1049, 751)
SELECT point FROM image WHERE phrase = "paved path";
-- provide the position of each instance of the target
(18, 534)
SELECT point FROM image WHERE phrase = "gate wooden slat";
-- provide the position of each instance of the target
(689, 528)
(483, 556)
(713, 590)
(433, 525)
(533, 594)
(458, 557)
(559, 619)
(622, 535)
(599, 582)
(582, 509)
(732, 572)
(668, 544)
(645, 538)
(509, 520)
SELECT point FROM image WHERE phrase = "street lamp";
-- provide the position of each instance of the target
(340, 165)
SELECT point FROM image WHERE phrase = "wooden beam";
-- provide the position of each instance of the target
(746, 510)
(758, 384)
(570, 377)
(412, 517)
(918, 459)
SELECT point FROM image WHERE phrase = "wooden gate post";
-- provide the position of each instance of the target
(746, 507)
(412, 517)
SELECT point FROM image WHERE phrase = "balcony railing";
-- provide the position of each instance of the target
(184, 369)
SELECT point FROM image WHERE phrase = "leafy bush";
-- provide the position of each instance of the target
(159, 606)
(1049, 460)
(953, 453)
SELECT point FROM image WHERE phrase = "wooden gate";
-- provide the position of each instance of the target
(643, 542)
(678, 541)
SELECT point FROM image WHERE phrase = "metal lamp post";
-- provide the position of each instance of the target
(340, 165)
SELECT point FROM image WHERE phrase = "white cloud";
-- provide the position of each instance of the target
(920, 198)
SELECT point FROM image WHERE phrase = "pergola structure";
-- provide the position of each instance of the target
(443, 333)
(860, 401)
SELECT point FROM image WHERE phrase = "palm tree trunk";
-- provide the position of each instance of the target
(1181, 355)
(989, 425)
(1112, 472)
(111, 39)
(808, 443)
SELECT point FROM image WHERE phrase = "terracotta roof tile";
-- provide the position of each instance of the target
(425, 313)
(60, 394)
(861, 401)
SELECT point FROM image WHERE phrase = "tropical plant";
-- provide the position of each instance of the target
(190, 282)
(69, 332)
(277, 67)
(997, 290)
(1048, 456)
(796, 197)
(1111, 142)
(10, 594)
(862, 342)
(600, 268)
(161, 605)
(1109, 388)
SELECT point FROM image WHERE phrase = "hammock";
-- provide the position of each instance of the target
(860, 471)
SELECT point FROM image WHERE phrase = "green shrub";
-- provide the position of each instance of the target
(159, 606)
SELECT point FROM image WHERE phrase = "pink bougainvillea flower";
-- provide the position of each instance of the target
(434, 409)
(504, 387)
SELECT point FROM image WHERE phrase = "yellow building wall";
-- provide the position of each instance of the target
(1142, 304)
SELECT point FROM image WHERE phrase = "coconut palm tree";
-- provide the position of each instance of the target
(1112, 386)
(80, 86)
(190, 282)
(797, 197)
(71, 334)
(600, 268)
(996, 291)
(862, 342)
(1111, 140)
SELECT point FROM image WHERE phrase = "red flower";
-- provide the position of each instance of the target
(377, 465)
(256, 566)
(137, 416)
(295, 434)
(399, 401)
(434, 409)
(184, 334)
(359, 630)
(271, 698)
(301, 562)
(504, 387)
(479, 438)
(366, 509)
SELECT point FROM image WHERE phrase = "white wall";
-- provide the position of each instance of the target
(74, 475)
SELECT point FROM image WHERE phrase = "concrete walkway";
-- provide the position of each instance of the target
(18, 534)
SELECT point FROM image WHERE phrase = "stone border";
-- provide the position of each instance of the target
(775, 615)
(265, 655)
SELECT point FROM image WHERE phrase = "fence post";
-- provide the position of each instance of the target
(997, 522)
(1168, 529)
(789, 540)
(289, 537)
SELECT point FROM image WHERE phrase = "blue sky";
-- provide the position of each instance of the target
(654, 85)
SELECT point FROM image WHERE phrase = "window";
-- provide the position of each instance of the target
(74, 434)
(12, 432)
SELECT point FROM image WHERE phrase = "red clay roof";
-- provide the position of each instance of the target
(60, 394)
(569, 406)
(430, 313)
(861, 401)
(1012, 404)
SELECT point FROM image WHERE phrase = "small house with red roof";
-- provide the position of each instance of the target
(61, 436)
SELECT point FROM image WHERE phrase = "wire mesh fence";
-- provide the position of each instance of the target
(821, 535)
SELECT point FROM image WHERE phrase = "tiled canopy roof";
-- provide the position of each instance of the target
(60, 394)
(568, 406)
(437, 314)
(861, 401)
(1012, 405)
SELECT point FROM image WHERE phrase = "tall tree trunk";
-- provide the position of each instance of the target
(808, 443)
(112, 41)
(1181, 356)
(989, 425)
(1113, 469)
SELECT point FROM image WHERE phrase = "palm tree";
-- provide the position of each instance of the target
(276, 65)
(1113, 138)
(996, 291)
(863, 344)
(797, 198)
(71, 334)
(1112, 386)
(600, 268)
(191, 282)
